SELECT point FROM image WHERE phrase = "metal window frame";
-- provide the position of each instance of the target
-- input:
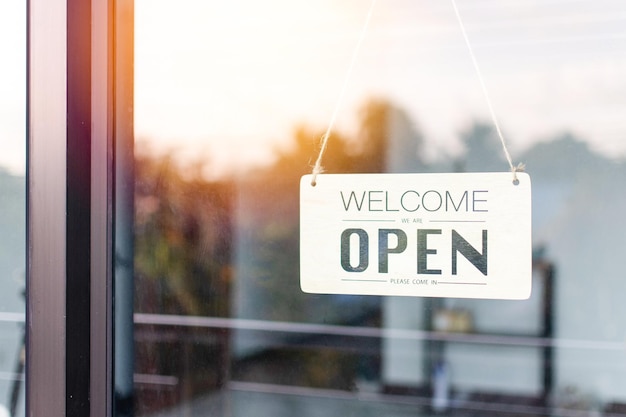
(79, 117)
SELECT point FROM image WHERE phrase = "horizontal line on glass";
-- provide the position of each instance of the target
(13, 317)
(152, 379)
(339, 330)
(378, 397)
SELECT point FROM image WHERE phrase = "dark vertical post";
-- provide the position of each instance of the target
(548, 329)
(78, 200)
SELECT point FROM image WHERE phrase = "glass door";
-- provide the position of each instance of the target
(231, 100)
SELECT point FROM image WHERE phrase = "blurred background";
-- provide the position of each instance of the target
(231, 100)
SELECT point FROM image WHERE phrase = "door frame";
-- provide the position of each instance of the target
(79, 123)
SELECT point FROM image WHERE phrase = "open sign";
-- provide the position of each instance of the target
(437, 235)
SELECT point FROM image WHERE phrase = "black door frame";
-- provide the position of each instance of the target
(79, 98)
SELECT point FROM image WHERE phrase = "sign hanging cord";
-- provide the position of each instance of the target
(514, 169)
(317, 168)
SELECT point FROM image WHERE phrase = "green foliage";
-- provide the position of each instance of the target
(183, 235)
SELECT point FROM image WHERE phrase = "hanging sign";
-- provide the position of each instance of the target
(435, 235)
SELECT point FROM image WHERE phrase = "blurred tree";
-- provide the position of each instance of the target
(551, 158)
(268, 239)
(183, 239)
(483, 151)
(388, 140)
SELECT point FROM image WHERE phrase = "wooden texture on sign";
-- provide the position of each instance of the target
(435, 235)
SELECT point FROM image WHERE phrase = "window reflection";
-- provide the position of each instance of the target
(12, 205)
(222, 327)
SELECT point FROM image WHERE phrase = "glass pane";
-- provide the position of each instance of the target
(231, 100)
(12, 205)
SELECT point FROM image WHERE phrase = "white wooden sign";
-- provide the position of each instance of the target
(435, 235)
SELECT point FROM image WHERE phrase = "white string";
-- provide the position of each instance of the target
(317, 168)
(514, 169)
